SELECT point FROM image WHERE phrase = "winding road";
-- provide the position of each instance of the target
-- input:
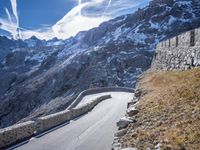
(92, 131)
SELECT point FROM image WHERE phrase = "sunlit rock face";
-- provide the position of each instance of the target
(45, 76)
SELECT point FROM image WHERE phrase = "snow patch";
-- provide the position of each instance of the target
(40, 57)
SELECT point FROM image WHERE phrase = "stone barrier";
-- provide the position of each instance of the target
(47, 122)
(19, 132)
(25, 130)
(178, 53)
(50, 121)
(98, 90)
(197, 35)
(80, 110)
(16, 133)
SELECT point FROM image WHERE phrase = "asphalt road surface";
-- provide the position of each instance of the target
(92, 131)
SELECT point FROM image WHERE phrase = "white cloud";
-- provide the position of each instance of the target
(8, 15)
(74, 21)
(107, 7)
(44, 33)
(14, 9)
(8, 26)
(11, 25)
(86, 15)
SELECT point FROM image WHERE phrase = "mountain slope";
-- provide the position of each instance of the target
(6, 46)
(42, 79)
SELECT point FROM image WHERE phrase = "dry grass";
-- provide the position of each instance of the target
(169, 112)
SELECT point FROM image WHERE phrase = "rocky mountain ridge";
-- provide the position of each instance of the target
(45, 77)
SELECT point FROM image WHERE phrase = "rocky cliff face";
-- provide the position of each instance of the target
(45, 76)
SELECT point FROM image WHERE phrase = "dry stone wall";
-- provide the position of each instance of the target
(16, 133)
(181, 52)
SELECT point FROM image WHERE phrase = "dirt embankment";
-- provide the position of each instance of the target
(169, 112)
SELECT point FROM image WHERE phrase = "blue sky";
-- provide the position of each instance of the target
(46, 12)
(59, 18)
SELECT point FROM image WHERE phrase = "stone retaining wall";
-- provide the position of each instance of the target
(181, 52)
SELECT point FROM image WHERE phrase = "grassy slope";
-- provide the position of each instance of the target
(169, 111)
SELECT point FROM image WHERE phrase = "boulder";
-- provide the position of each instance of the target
(121, 133)
(116, 146)
(132, 111)
(124, 122)
(138, 93)
(131, 103)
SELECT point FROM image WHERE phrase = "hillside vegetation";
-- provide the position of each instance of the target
(169, 109)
